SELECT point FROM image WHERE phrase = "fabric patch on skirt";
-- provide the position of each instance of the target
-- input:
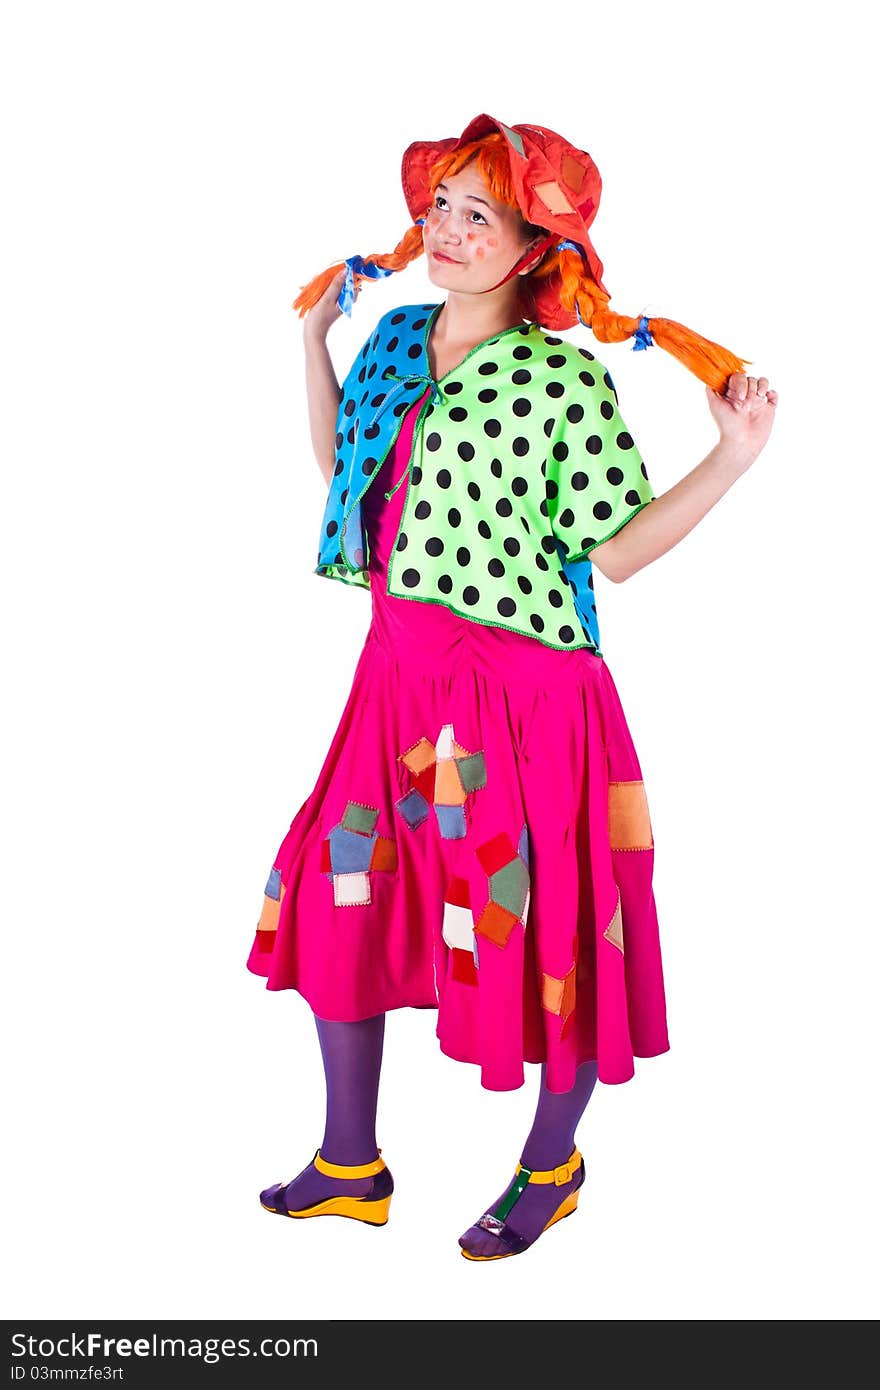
(614, 931)
(558, 995)
(273, 895)
(444, 773)
(352, 851)
(629, 824)
(508, 880)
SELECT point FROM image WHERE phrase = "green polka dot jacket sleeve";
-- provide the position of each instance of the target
(596, 477)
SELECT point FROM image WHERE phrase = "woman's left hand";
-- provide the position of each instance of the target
(744, 411)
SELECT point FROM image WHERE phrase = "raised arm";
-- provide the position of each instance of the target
(322, 389)
(744, 415)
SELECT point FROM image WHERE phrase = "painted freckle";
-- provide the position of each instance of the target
(492, 241)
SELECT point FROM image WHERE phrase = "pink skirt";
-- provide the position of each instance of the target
(478, 842)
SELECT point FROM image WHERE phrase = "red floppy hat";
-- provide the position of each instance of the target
(557, 186)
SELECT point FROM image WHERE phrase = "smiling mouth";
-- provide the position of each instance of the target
(439, 256)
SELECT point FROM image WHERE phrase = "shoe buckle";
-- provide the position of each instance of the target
(563, 1174)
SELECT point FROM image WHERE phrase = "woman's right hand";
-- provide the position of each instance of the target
(325, 313)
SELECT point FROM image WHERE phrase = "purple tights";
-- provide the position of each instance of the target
(352, 1054)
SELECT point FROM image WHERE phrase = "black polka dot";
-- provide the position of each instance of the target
(522, 406)
(504, 507)
(555, 389)
(602, 511)
(444, 584)
(524, 584)
(566, 517)
(608, 382)
(495, 467)
(560, 451)
(633, 498)
(484, 530)
(332, 528)
(594, 444)
(433, 442)
(536, 621)
(458, 413)
(463, 556)
(522, 353)
(556, 360)
(392, 344)
(487, 395)
(587, 378)
(555, 598)
(444, 478)
(416, 474)
(624, 440)
(453, 516)
(520, 446)
(551, 489)
(474, 491)
(492, 428)
(470, 595)
(452, 388)
(519, 487)
(579, 481)
(614, 475)
(402, 541)
(506, 607)
(566, 634)
(548, 544)
(585, 545)
(434, 546)
(584, 352)
(496, 568)
(414, 351)
(512, 545)
(368, 465)
(521, 377)
(574, 413)
(466, 451)
(410, 578)
(606, 410)
(422, 510)
(487, 368)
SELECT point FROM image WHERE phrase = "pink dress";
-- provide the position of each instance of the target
(478, 842)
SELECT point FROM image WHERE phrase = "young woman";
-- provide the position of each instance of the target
(478, 841)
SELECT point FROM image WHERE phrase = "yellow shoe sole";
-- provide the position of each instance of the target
(565, 1209)
(372, 1213)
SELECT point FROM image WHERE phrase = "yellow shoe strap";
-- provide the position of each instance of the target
(344, 1170)
(563, 1174)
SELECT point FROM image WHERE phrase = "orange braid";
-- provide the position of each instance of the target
(708, 361)
(405, 251)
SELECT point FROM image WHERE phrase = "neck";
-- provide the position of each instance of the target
(470, 318)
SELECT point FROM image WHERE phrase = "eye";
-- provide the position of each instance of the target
(481, 217)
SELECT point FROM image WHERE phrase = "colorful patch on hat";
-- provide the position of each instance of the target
(445, 775)
(352, 851)
(552, 196)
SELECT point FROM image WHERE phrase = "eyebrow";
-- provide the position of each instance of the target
(473, 196)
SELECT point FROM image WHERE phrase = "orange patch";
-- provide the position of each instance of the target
(629, 824)
(448, 790)
(496, 923)
(269, 916)
(384, 853)
(420, 756)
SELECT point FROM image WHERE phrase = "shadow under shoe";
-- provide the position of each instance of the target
(371, 1207)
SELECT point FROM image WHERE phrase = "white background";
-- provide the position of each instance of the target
(173, 173)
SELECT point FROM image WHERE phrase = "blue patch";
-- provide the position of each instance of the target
(451, 820)
(349, 852)
(414, 808)
(523, 846)
(273, 886)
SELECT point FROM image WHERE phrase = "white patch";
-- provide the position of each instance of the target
(445, 742)
(458, 927)
(350, 890)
